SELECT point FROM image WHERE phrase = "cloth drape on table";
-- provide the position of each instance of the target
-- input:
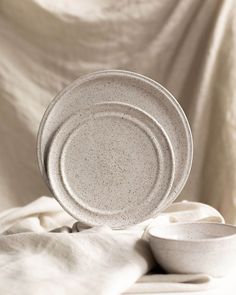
(43, 250)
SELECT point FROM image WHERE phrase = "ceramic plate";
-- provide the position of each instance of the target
(125, 87)
(111, 164)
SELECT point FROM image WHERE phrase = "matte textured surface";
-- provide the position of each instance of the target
(111, 164)
(195, 248)
(124, 87)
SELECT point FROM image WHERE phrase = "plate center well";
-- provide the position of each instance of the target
(110, 162)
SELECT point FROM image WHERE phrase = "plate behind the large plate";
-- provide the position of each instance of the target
(126, 87)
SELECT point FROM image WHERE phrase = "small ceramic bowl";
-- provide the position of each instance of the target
(194, 247)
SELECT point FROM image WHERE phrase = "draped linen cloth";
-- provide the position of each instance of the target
(43, 250)
(186, 45)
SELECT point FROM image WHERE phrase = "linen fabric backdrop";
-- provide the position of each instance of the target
(188, 46)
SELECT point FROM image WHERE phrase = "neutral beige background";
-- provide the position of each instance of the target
(187, 45)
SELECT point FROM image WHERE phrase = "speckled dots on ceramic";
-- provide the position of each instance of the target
(111, 164)
(141, 95)
(195, 247)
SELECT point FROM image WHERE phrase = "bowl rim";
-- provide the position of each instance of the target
(226, 237)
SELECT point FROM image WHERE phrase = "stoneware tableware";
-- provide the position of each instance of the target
(111, 164)
(124, 87)
(194, 247)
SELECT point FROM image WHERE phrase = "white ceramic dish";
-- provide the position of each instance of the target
(195, 247)
(125, 87)
(111, 164)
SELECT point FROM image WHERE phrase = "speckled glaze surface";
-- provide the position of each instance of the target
(123, 87)
(195, 247)
(111, 164)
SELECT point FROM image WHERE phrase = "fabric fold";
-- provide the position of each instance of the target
(44, 250)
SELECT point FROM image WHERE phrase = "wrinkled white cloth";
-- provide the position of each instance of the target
(43, 250)
(186, 45)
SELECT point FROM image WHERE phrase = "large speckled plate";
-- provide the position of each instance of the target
(111, 164)
(124, 87)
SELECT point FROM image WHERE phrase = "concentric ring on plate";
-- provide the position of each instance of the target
(111, 164)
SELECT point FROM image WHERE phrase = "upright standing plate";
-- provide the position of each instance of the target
(111, 164)
(124, 87)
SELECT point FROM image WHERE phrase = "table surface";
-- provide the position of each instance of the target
(226, 285)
